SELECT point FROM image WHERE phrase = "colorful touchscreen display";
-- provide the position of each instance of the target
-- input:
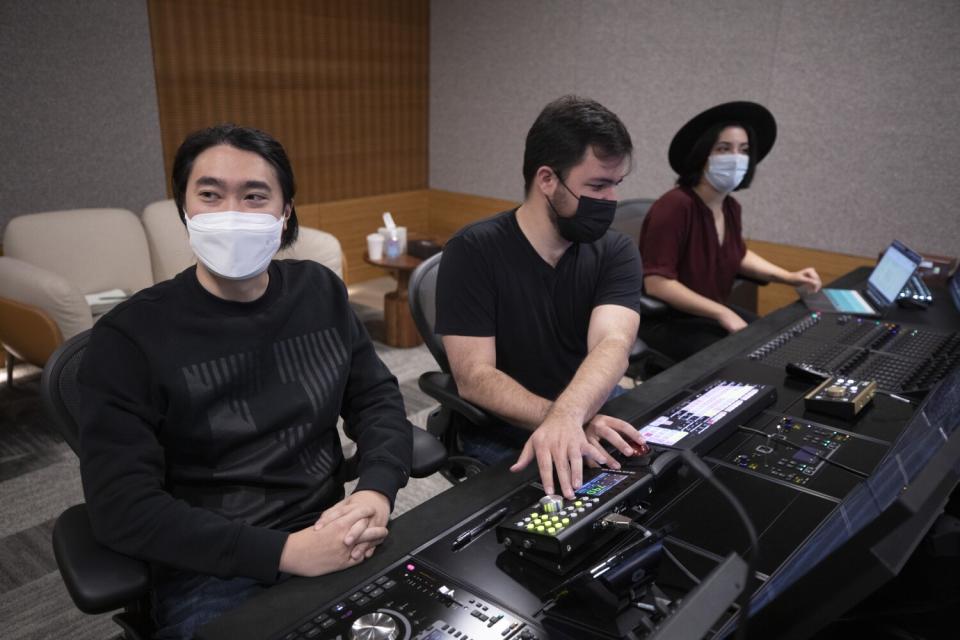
(601, 484)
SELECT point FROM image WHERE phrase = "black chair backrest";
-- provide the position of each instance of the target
(422, 293)
(59, 388)
(629, 216)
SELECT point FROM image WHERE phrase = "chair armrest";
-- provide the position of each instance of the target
(98, 579)
(651, 307)
(39, 287)
(742, 279)
(442, 388)
(429, 454)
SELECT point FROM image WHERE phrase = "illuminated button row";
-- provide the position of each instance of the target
(550, 523)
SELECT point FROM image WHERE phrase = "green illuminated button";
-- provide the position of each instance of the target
(551, 530)
(531, 526)
(540, 528)
(555, 518)
(578, 504)
(566, 520)
(534, 514)
(558, 526)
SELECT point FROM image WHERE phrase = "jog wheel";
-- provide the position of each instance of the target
(374, 626)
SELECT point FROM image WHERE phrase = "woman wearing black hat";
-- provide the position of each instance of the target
(691, 241)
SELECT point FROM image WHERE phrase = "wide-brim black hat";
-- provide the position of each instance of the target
(756, 116)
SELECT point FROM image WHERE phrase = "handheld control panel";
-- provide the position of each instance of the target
(558, 527)
(841, 397)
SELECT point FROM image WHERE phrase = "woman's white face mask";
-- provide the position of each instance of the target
(235, 245)
(725, 171)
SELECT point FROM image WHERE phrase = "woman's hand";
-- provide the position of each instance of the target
(806, 280)
(730, 321)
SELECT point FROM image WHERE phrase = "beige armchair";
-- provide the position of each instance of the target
(53, 259)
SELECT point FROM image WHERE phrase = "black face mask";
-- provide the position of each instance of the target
(590, 222)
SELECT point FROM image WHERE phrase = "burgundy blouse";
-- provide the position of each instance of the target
(678, 240)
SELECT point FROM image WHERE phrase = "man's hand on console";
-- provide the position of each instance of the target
(313, 552)
(563, 443)
(356, 537)
(617, 432)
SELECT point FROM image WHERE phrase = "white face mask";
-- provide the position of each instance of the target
(235, 245)
(725, 171)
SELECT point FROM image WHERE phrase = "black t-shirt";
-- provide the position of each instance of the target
(492, 282)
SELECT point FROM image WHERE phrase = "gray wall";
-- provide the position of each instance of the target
(79, 125)
(866, 94)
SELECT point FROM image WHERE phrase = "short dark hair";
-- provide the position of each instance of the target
(565, 128)
(245, 139)
(694, 162)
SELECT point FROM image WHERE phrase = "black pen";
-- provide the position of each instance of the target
(475, 532)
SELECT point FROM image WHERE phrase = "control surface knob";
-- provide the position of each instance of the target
(835, 391)
(374, 626)
(551, 503)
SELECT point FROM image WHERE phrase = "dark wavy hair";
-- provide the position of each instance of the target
(565, 128)
(245, 139)
(694, 162)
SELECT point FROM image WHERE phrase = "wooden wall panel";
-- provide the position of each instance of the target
(343, 84)
(449, 211)
(351, 220)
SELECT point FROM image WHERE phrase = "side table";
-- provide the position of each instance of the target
(400, 328)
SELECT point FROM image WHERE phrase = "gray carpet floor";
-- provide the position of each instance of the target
(39, 478)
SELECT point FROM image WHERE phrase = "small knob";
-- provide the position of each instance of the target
(551, 503)
(835, 391)
(374, 626)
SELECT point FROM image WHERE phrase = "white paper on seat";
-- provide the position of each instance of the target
(103, 301)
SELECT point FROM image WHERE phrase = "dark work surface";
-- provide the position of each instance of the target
(278, 607)
(706, 529)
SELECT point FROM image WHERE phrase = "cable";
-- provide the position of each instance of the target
(743, 600)
(770, 437)
(680, 565)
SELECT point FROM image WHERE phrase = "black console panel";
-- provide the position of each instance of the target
(789, 467)
(412, 602)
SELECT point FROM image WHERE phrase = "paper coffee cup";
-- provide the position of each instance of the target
(375, 246)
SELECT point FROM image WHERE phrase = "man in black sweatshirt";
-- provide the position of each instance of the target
(208, 438)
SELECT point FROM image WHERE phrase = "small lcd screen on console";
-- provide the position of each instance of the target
(806, 455)
(601, 484)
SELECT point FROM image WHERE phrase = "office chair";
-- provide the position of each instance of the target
(644, 360)
(98, 579)
(440, 385)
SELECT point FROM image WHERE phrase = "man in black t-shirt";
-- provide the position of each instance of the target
(539, 306)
